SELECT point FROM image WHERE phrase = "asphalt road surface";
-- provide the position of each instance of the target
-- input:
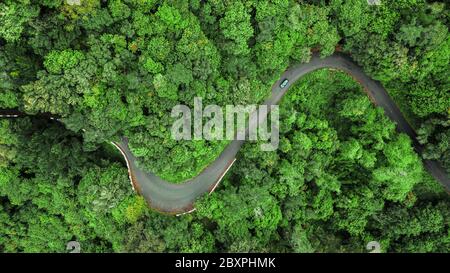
(179, 198)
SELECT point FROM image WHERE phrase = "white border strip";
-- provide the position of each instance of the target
(187, 212)
(223, 174)
(128, 164)
(215, 186)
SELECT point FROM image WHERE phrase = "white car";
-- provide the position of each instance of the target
(284, 83)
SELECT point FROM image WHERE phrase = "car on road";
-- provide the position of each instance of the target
(284, 83)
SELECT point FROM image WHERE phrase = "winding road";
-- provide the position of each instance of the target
(179, 198)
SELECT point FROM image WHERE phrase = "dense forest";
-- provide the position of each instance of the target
(342, 176)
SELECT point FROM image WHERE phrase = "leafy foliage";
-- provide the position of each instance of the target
(342, 176)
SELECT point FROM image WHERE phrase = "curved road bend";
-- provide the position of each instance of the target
(179, 198)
